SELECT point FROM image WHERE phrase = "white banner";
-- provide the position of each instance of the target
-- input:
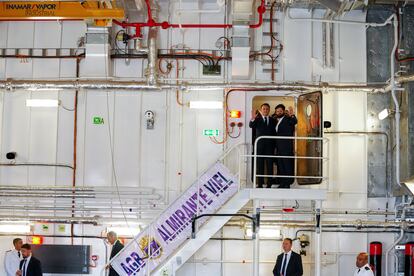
(161, 238)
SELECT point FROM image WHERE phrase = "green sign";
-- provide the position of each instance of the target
(98, 121)
(61, 228)
(211, 132)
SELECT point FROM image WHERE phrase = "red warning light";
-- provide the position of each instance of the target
(235, 114)
(37, 240)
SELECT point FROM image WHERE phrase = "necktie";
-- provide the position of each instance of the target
(24, 267)
(283, 265)
(359, 270)
(266, 121)
(18, 253)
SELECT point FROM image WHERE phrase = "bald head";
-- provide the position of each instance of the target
(362, 259)
(112, 237)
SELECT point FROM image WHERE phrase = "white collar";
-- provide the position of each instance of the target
(288, 253)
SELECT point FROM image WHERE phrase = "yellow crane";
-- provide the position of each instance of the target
(102, 12)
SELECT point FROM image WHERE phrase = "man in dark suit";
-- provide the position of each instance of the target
(264, 125)
(288, 263)
(116, 247)
(285, 126)
(29, 266)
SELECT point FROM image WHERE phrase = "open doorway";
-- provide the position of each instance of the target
(273, 166)
(308, 110)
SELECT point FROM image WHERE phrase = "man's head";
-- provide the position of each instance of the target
(112, 237)
(265, 109)
(17, 242)
(287, 245)
(362, 259)
(26, 250)
(280, 110)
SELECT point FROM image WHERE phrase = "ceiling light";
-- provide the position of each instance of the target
(384, 114)
(15, 228)
(42, 103)
(124, 231)
(266, 232)
(206, 104)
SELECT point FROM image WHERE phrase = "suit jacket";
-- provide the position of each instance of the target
(286, 128)
(115, 249)
(34, 268)
(264, 145)
(294, 267)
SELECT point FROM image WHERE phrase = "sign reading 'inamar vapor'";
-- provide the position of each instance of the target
(152, 246)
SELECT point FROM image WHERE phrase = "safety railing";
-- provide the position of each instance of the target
(148, 243)
(324, 157)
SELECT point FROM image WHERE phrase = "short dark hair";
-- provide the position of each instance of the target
(16, 240)
(265, 104)
(288, 239)
(27, 246)
(280, 106)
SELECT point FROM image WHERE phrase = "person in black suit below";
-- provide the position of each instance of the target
(285, 126)
(288, 263)
(116, 247)
(29, 266)
(264, 125)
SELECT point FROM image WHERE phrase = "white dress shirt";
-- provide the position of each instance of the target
(25, 265)
(12, 262)
(364, 271)
(287, 261)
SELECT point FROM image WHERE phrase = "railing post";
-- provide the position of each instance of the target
(318, 240)
(256, 241)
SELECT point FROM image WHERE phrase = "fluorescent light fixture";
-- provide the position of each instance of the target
(206, 104)
(384, 114)
(15, 228)
(266, 232)
(124, 231)
(42, 103)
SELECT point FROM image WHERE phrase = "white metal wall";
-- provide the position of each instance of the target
(170, 156)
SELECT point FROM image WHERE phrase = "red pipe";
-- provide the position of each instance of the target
(166, 25)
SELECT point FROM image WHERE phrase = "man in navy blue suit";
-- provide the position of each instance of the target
(288, 263)
(29, 266)
(285, 126)
(264, 125)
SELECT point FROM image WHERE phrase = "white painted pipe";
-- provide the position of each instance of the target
(320, 20)
(391, 248)
(113, 85)
(396, 103)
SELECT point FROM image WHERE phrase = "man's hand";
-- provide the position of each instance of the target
(291, 112)
(253, 115)
(19, 273)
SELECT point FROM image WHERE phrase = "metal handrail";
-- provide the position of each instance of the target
(255, 156)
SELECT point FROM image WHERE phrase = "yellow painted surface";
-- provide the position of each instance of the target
(58, 10)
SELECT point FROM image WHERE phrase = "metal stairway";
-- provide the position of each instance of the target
(214, 224)
(161, 251)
